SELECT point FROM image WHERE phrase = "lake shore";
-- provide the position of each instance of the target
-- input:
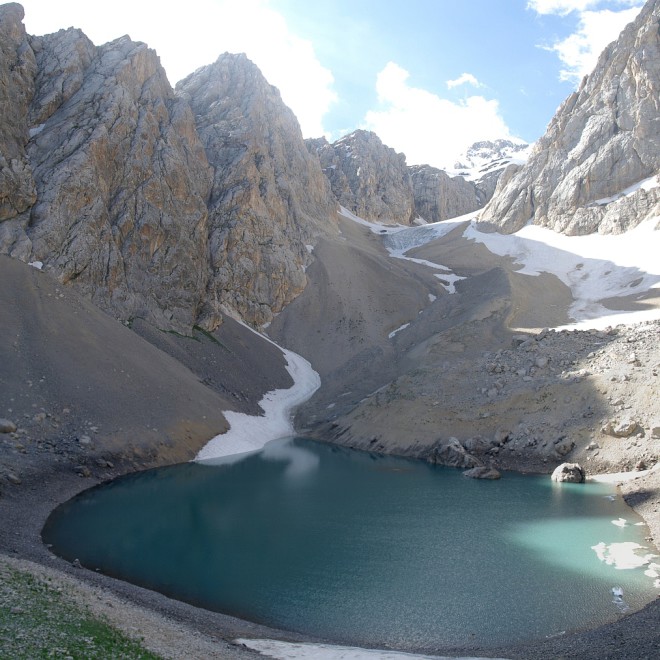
(179, 630)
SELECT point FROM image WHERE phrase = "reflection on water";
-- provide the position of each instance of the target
(364, 549)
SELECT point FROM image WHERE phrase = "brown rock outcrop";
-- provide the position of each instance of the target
(269, 197)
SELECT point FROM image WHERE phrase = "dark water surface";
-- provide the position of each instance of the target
(360, 548)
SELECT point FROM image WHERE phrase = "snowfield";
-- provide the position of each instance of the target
(249, 433)
(595, 267)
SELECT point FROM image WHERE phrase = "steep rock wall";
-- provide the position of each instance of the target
(604, 139)
(367, 177)
(269, 197)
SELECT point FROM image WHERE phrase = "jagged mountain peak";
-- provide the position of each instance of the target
(486, 155)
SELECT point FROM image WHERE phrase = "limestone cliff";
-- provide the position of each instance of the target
(104, 178)
(367, 177)
(438, 196)
(117, 202)
(596, 167)
(17, 69)
(269, 197)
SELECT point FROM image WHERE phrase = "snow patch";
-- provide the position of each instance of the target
(306, 651)
(36, 264)
(394, 332)
(645, 184)
(35, 130)
(249, 433)
(594, 267)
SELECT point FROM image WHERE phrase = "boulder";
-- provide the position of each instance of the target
(563, 446)
(568, 472)
(482, 472)
(623, 428)
(7, 426)
(451, 453)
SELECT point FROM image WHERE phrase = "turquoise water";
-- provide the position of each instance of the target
(361, 549)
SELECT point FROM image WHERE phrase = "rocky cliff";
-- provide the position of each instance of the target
(269, 197)
(596, 167)
(439, 196)
(109, 180)
(367, 177)
(373, 181)
(115, 181)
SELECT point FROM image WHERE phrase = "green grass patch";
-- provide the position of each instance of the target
(38, 620)
(211, 337)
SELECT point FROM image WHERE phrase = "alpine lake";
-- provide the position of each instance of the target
(366, 549)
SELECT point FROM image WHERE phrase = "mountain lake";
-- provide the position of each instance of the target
(366, 549)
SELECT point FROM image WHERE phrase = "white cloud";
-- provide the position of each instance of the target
(564, 7)
(464, 79)
(427, 128)
(186, 39)
(579, 52)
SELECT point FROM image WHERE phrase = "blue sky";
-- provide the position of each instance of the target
(429, 76)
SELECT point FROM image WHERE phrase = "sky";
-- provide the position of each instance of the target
(430, 77)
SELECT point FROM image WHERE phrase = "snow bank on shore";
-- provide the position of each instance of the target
(305, 651)
(249, 433)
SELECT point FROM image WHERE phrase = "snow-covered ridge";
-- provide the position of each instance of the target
(484, 157)
(249, 433)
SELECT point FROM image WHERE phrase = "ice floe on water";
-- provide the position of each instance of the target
(617, 599)
(249, 433)
(307, 651)
(623, 556)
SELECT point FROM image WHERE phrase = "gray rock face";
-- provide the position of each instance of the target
(269, 197)
(17, 70)
(568, 472)
(121, 179)
(122, 183)
(438, 196)
(604, 139)
(105, 180)
(367, 177)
